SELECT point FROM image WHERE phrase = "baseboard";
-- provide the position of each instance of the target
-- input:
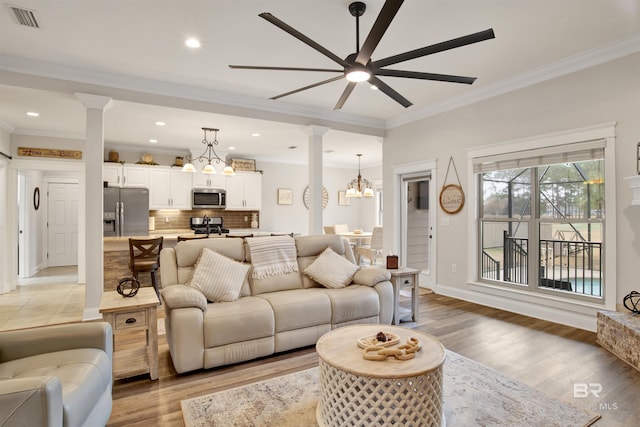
(584, 319)
(91, 314)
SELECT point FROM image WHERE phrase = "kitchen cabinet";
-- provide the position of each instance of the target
(169, 188)
(118, 175)
(244, 191)
(202, 180)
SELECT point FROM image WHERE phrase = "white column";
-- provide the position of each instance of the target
(315, 177)
(92, 220)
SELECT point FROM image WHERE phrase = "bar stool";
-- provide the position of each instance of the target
(144, 257)
(199, 236)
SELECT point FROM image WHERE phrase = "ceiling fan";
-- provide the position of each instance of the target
(358, 67)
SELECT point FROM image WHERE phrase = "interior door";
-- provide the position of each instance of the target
(417, 225)
(62, 220)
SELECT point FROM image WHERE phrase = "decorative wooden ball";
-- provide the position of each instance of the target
(128, 287)
(633, 301)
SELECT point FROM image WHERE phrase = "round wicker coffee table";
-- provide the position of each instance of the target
(355, 391)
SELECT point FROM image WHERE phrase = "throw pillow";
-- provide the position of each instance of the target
(331, 270)
(219, 278)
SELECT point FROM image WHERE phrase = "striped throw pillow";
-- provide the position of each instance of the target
(331, 270)
(219, 278)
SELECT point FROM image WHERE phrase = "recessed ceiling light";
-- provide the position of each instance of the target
(232, 148)
(255, 134)
(159, 123)
(192, 43)
(32, 114)
(153, 141)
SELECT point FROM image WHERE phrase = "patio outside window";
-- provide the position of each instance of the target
(541, 221)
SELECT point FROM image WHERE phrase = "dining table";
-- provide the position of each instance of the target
(357, 239)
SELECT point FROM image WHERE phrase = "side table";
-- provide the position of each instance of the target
(137, 313)
(402, 278)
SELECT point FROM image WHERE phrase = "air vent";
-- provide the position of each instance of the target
(25, 17)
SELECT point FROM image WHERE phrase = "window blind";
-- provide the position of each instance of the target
(566, 153)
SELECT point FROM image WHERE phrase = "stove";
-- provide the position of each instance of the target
(210, 225)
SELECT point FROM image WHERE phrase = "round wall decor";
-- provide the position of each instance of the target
(325, 197)
(451, 198)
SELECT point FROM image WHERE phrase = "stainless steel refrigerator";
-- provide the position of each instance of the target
(126, 211)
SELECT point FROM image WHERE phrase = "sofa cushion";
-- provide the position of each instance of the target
(352, 303)
(331, 270)
(219, 278)
(230, 322)
(310, 247)
(187, 253)
(299, 308)
(84, 373)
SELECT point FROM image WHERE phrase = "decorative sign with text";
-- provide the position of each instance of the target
(50, 152)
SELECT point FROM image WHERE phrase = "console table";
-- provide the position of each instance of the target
(133, 314)
(356, 392)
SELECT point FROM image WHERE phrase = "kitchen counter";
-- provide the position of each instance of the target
(116, 252)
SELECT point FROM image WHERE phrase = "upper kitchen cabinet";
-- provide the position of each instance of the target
(118, 175)
(244, 191)
(202, 180)
(170, 188)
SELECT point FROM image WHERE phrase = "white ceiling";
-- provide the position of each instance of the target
(134, 51)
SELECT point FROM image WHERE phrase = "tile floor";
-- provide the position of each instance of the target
(51, 296)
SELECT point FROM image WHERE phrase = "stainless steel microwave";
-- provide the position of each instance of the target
(208, 198)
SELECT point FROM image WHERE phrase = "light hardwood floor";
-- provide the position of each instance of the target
(544, 355)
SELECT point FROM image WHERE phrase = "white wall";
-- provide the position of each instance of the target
(294, 218)
(5, 148)
(605, 93)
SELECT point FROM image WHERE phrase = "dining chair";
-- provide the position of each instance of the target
(329, 229)
(374, 250)
(144, 257)
(341, 228)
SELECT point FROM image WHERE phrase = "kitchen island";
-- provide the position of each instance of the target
(116, 252)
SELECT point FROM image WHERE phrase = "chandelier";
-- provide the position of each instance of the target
(360, 186)
(208, 156)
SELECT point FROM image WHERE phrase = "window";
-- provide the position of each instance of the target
(541, 218)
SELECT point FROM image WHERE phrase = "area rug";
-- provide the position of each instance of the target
(474, 395)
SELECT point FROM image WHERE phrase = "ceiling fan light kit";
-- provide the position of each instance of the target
(208, 155)
(359, 67)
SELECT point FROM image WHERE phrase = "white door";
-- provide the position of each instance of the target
(62, 220)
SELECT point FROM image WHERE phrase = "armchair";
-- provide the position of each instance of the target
(56, 375)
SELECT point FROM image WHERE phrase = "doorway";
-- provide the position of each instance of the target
(416, 218)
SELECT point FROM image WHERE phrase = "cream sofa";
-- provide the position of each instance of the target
(56, 375)
(272, 314)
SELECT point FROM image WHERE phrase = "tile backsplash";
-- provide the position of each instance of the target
(178, 220)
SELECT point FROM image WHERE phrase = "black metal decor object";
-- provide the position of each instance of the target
(633, 299)
(128, 287)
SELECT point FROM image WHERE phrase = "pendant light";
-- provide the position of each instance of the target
(208, 156)
(359, 187)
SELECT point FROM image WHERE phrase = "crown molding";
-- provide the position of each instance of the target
(136, 84)
(581, 61)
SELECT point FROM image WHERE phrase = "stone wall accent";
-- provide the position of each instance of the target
(619, 333)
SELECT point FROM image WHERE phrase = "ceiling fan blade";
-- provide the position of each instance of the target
(259, 67)
(345, 95)
(383, 21)
(438, 47)
(386, 89)
(324, 82)
(425, 76)
(297, 34)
